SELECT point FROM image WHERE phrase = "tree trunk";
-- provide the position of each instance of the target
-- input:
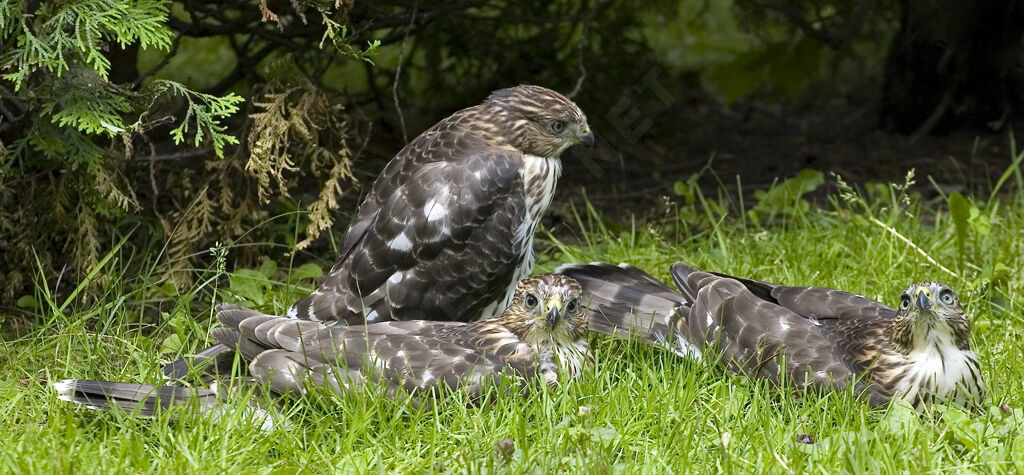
(954, 63)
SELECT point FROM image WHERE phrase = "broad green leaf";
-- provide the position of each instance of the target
(268, 268)
(1017, 453)
(27, 301)
(305, 271)
(786, 198)
(170, 345)
(960, 211)
(901, 418)
(249, 284)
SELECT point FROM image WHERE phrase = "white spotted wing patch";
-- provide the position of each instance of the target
(426, 378)
(371, 316)
(685, 348)
(400, 243)
(434, 211)
(396, 278)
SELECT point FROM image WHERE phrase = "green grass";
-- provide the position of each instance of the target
(639, 409)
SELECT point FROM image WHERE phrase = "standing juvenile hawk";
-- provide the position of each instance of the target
(825, 338)
(447, 228)
(541, 333)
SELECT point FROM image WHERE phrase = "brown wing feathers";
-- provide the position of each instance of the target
(443, 235)
(765, 324)
(439, 246)
(625, 302)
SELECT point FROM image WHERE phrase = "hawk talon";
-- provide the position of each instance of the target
(551, 379)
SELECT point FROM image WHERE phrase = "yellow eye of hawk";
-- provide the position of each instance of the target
(557, 126)
(531, 301)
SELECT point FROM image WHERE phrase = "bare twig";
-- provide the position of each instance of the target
(155, 199)
(398, 72)
(163, 62)
(176, 156)
(579, 49)
(913, 246)
(369, 133)
(15, 102)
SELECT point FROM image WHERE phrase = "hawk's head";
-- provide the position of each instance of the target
(933, 358)
(930, 312)
(538, 121)
(547, 308)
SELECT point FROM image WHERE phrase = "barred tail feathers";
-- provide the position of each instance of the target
(140, 399)
(144, 400)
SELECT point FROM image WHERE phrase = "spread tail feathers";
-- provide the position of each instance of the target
(141, 399)
(626, 301)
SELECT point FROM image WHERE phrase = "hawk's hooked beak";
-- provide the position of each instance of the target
(924, 298)
(553, 310)
(589, 139)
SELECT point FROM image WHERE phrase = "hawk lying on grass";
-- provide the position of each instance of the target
(825, 338)
(542, 332)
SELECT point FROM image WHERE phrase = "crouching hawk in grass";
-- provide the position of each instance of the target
(541, 333)
(825, 338)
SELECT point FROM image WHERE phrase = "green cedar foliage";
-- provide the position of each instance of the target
(83, 146)
(62, 171)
